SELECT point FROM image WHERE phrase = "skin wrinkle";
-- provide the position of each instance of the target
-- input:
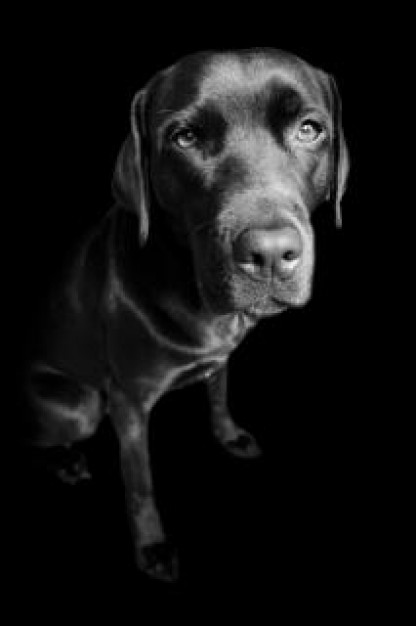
(212, 340)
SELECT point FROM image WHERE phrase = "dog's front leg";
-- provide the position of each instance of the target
(234, 438)
(154, 555)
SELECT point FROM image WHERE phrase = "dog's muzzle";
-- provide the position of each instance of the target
(268, 254)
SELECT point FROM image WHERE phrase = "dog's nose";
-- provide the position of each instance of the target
(265, 253)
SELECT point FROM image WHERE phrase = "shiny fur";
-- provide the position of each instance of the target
(155, 299)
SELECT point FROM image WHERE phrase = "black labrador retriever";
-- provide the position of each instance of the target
(228, 156)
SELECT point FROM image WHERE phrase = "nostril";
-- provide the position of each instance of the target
(290, 255)
(288, 262)
(264, 253)
(257, 259)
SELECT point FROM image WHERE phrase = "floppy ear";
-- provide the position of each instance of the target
(130, 180)
(340, 158)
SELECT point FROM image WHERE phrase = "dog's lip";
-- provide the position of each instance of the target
(280, 302)
(268, 286)
(257, 311)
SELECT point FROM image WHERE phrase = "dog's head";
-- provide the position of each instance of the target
(237, 149)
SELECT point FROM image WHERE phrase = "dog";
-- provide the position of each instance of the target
(229, 154)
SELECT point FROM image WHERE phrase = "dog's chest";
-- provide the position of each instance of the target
(196, 372)
(221, 338)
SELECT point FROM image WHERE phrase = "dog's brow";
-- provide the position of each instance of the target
(229, 75)
(289, 101)
(204, 114)
(164, 113)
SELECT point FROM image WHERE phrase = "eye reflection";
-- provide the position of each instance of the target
(309, 131)
(184, 137)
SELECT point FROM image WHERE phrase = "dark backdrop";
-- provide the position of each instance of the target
(289, 529)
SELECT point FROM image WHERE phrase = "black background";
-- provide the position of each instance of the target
(292, 530)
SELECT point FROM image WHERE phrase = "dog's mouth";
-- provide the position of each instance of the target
(260, 272)
(227, 288)
(265, 308)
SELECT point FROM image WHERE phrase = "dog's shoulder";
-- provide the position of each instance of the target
(71, 328)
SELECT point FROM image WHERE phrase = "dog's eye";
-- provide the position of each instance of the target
(309, 131)
(184, 138)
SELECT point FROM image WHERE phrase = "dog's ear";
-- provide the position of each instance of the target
(130, 181)
(340, 157)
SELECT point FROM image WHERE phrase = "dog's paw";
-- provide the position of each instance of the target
(240, 443)
(243, 445)
(66, 463)
(159, 560)
(74, 471)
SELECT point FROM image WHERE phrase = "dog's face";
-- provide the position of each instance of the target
(242, 147)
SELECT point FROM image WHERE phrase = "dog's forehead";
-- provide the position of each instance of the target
(234, 72)
(220, 76)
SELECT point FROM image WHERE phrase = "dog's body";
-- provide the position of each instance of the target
(229, 154)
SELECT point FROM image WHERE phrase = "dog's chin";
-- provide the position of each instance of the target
(271, 305)
(234, 294)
